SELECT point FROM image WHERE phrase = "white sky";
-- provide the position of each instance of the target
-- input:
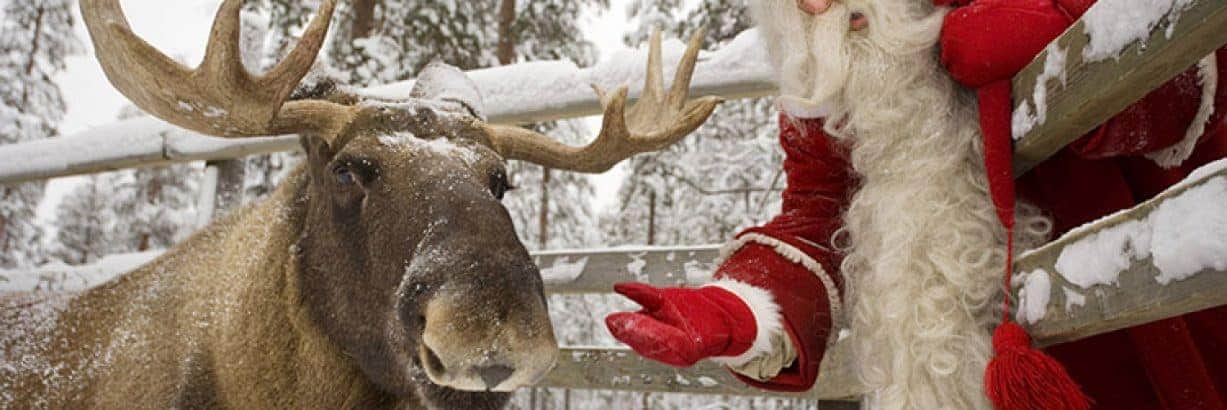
(180, 30)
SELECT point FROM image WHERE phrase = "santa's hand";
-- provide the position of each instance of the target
(680, 326)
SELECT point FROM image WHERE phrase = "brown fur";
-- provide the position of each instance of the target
(311, 299)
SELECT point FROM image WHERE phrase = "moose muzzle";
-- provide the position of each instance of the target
(483, 343)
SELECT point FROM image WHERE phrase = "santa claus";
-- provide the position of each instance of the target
(888, 228)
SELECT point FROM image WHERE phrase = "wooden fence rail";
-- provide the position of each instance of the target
(1075, 299)
(1083, 94)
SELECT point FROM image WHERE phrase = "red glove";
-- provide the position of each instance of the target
(680, 326)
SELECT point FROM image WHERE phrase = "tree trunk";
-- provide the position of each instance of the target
(229, 189)
(506, 51)
(364, 18)
(4, 237)
(543, 218)
(652, 218)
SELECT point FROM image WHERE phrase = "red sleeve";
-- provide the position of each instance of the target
(1161, 119)
(792, 256)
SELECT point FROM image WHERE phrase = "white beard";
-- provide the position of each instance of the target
(925, 251)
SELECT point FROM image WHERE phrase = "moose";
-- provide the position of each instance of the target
(382, 273)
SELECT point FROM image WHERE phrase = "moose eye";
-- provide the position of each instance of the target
(344, 175)
(499, 185)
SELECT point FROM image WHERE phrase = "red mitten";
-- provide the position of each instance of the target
(680, 326)
(993, 39)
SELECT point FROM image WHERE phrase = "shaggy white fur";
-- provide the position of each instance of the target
(1207, 74)
(766, 319)
(925, 252)
(796, 256)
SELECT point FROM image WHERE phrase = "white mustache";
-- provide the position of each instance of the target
(813, 63)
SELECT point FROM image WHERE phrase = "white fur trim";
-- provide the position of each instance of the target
(1207, 70)
(799, 257)
(766, 318)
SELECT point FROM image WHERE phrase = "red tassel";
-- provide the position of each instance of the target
(1021, 377)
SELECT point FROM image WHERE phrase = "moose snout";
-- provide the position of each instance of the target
(487, 375)
(471, 346)
(494, 375)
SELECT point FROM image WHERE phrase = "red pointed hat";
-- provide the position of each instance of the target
(984, 44)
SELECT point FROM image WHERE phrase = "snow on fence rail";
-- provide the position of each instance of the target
(1104, 63)
(521, 93)
(606, 368)
(1163, 258)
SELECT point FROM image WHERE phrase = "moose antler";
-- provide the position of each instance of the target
(653, 123)
(219, 97)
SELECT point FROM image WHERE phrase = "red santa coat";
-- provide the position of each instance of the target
(1177, 363)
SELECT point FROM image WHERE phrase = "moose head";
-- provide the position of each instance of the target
(408, 261)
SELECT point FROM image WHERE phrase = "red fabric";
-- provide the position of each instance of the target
(1167, 364)
(680, 326)
(994, 110)
(819, 188)
(804, 307)
(1018, 376)
(1150, 124)
(1175, 363)
(1021, 377)
(990, 40)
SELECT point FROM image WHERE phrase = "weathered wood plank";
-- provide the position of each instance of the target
(1092, 92)
(1137, 296)
(597, 270)
(604, 368)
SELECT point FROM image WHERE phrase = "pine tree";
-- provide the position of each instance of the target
(35, 38)
(126, 211)
(154, 208)
(84, 222)
(720, 179)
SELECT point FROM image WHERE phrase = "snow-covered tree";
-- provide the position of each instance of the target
(126, 211)
(35, 37)
(154, 207)
(569, 220)
(720, 179)
(84, 222)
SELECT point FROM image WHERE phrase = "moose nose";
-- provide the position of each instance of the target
(494, 375)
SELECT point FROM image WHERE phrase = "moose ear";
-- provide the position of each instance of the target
(443, 82)
(319, 151)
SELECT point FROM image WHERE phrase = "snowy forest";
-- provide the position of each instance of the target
(701, 191)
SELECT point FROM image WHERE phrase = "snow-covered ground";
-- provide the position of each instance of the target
(58, 277)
